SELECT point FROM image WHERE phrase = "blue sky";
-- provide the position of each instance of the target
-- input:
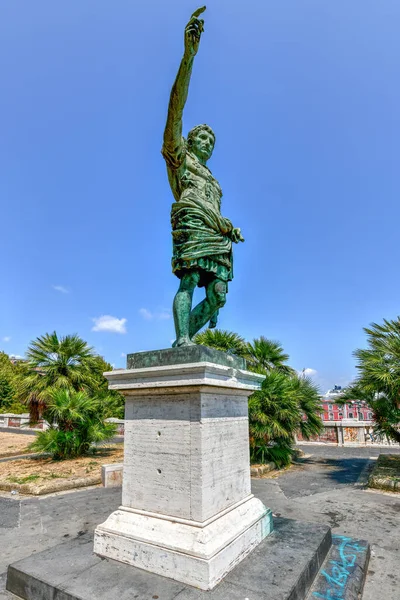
(304, 98)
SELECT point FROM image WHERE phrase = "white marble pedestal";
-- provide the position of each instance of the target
(187, 509)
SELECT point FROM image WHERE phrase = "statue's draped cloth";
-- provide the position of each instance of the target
(200, 234)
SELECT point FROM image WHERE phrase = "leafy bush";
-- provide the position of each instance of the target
(77, 422)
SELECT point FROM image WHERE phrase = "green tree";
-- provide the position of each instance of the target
(7, 391)
(378, 380)
(77, 422)
(10, 375)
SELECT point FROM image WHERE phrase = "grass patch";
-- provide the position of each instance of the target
(386, 473)
(21, 480)
(41, 474)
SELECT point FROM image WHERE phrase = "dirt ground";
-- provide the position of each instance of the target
(40, 471)
(12, 444)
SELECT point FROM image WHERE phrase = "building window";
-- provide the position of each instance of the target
(370, 416)
(350, 415)
(330, 407)
(360, 416)
(340, 414)
(331, 416)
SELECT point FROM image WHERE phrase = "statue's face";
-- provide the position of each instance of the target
(203, 144)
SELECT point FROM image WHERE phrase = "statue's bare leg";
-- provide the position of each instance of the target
(205, 310)
(182, 306)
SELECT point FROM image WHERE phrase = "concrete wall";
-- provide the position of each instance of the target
(22, 421)
(348, 433)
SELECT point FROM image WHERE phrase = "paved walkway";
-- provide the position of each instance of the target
(326, 488)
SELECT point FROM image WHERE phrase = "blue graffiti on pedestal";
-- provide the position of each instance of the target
(338, 571)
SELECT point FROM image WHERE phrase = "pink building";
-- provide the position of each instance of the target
(331, 411)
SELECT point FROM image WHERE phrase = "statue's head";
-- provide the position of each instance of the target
(201, 141)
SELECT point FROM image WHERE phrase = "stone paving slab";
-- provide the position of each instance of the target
(282, 567)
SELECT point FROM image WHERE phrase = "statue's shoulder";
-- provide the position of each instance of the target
(175, 155)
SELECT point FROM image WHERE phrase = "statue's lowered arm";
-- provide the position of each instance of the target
(172, 147)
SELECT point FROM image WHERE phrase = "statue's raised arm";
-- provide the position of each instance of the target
(173, 150)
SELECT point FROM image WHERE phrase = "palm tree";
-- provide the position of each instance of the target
(285, 404)
(378, 381)
(264, 355)
(272, 420)
(308, 398)
(57, 363)
(227, 341)
(379, 365)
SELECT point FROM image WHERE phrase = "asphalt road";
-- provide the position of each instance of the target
(326, 487)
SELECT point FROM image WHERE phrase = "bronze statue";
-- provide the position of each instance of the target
(202, 237)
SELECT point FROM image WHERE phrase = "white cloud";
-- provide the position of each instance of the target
(16, 356)
(109, 323)
(149, 316)
(308, 372)
(6, 338)
(60, 288)
(123, 355)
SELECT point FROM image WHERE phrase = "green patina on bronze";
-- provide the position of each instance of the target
(202, 237)
(183, 355)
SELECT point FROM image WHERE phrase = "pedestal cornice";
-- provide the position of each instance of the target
(184, 375)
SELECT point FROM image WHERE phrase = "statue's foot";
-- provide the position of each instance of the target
(183, 341)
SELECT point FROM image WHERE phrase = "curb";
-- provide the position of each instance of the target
(385, 475)
(260, 470)
(383, 483)
(56, 486)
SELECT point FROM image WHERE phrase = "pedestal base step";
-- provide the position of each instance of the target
(198, 554)
(342, 576)
(283, 567)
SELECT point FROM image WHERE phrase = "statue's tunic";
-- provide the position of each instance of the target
(201, 236)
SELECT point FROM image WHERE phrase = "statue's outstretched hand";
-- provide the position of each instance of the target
(193, 31)
(236, 235)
